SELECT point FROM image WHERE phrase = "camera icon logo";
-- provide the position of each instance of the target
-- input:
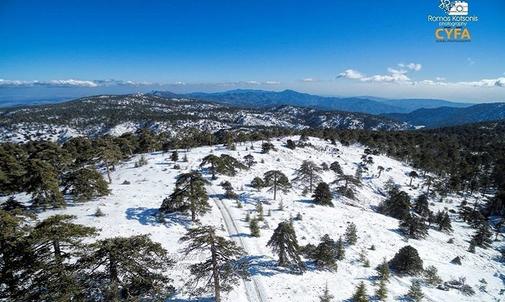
(459, 8)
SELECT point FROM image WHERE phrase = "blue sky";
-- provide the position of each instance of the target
(219, 45)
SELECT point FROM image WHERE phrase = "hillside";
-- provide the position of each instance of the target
(132, 209)
(261, 98)
(115, 115)
(447, 116)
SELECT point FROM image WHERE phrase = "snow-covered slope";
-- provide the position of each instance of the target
(132, 209)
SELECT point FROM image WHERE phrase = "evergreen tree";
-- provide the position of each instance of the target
(421, 206)
(414, 227)
(308, 174)
(284, 243)
(259, 210)
(412, 175)
(431, 276)
(56, 241)
(340, 251)
(397, 205)
(225, 164)
(43, 184)
(325, 254)
(335, 167)
(276, 180)
(214, 161)
(407, 261)
(222, 268)
(415, 292)
(267, 147)
(380, 169)
(12, 168)
(257, 183)
(326, 296)
(174, 156)
(290, 144)
(322, 195)
(351, 236)
(443, 221)
(85, 184)
(122, 268)
(228, 190)
(254, 227)
(189, 194)
(360, 294)
(382, 291)
(383, 270)
(482, 237)
(249, 160)
(109, 154)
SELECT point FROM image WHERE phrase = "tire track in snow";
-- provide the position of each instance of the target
(254, 290)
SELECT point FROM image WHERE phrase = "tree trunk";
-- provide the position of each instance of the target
(275, 186)
(57, 254)
(108, 172)
(113, 275)
(215, 271)
(410, 184)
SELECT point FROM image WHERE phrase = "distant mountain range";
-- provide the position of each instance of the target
(447, 116)
(261, 99)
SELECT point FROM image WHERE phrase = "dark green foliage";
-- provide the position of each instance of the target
(85, 184)
(415, 292)
(413, 226)
(189, 195)
(360, 294)
(254, 227)
(335, 167)
(326, 296)
(308, 174)
(43, 184)
(276, 180)
(228, 190)
(141, 162)
(397, 205)
(383, 270)
(257, 183)
(12, 168)
(322, 195)
(221, 270)
(284, 243)
(407, 261)
(431, 276)
(249, 160)
(225, 164)
(290, 144)
(421, 206)
(340, 251)
(382, 291)
(109, 154)
(259, 210)
(325, 254)
(123, 268)
(174, 156)
(351, 236)
(412, 175)
(495, 206)
(443, 221)
(482, 237)
(267, 147)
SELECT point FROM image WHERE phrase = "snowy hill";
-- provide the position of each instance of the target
(133, 209)
(118, 114)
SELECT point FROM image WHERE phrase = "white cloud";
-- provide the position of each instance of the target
(411, 66)
(351, 74)
(309, 80)
(71, 83)
(393, 76)
(272, 82)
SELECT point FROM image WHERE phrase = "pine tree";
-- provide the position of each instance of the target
(412, 175)
(322, 195)
(85, 184)
(380, 169)
(229, 192)
(383, 270)
(382, 291)
(360, 294)
(443, 221)
(267, 147)
(222, 269)
(225, 164)
(254, 227)
(325, 254)
(249, 160)
(259, 210)
(130, 267)
(109, 154)
(414, 227)
(326, 296)
(247, 217)
(431, 276)
(214, 161)
(257, 183)
(397, 205)
(335, 167)
(351, 235)
(175, 156)
(276, 180)
(284, 243)
(482, 237)
(290, 144)
(340, 251)
(43, 184)
(308, 174)
(415, 292)
(421, 206)
(189, 195)
(56, 241)
(407, 261)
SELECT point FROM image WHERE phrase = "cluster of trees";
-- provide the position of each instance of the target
(49, 261)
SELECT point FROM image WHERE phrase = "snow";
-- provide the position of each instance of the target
(130, 210)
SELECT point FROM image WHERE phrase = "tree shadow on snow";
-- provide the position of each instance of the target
(259, 265)
(152, 216)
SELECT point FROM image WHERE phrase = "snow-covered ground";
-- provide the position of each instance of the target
(132, 208)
